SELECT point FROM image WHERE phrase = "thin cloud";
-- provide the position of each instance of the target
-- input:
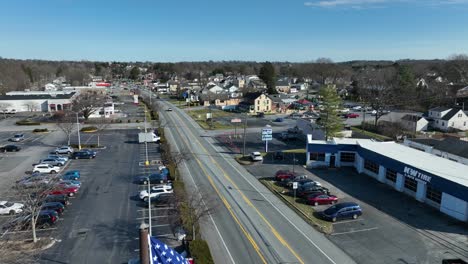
(367, 4)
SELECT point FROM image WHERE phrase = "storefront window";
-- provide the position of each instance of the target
(317, 156)
(391, 175)
(347, 156)
(411, 184)
(433, 194)
(371, 166)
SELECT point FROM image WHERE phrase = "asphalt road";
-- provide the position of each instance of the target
(249, 225)
(100, 225)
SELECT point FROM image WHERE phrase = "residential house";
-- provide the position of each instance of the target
(449, 148)
(283, 86)
(263, 104)
(277, 103)
(446, 119)
(239, 82)
(173, 86)
(414, 123)
(248, 102)
(214, 89)
(233, 91)
(257, 85)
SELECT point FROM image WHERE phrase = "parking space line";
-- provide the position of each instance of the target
(157, 208)
(145, 218)
(159, 225)
(354, 231)
(348, 221)
(37, 230)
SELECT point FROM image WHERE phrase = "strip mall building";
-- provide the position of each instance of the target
(436, 181)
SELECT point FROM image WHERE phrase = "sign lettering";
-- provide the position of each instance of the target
(416, 175)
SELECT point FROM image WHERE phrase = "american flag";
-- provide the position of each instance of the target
(160, 253)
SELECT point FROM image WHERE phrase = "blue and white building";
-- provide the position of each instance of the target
(433, 180)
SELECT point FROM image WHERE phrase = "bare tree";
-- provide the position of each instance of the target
(88, 103)
(67, 125)
(32, 106)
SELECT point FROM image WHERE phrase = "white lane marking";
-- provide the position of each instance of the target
(159, 225)
(152, 217)
(154, 209)
(354, 231)
(277, 209)
(203, 200)
(348, 221)
(37, 230)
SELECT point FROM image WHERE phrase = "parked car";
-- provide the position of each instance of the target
(46, 168)
(34, 181)
(352, 115)
(10, 148)
(357, 107)
(281, 175)
(152, 178)
(90, 151)
(309, 182)
(82, 155)
(260, 115)
(294, 130)
(278, 155)
(162, 198)
(316, 199)
(64, 150)
(54, 206)
(279, 119)
(45, 219)
(71, 175)
(154, 192)
(256, 156)
(342, 211)
(304, 191)
(169, 109)
(58, 157)
(60, 198)
(17, 138)
(10, 208)
(300, 179)
(288, 136)
(53, 162)
(68, 183)
(69, 191)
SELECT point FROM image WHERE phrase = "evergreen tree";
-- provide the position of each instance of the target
(134, 73)
(329, 118)
(267, 74)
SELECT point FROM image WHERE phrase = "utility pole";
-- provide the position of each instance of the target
(146, 143)
(149, 204)
(245, 131)
(78, 126)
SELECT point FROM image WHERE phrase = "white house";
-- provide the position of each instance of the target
(448, 118)
(213, 89)
(414, 123)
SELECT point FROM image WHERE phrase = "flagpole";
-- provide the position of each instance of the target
(144, 244)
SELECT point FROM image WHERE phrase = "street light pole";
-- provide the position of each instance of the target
(78, 126)
(149, 205)
(146, 143)
(245, 128)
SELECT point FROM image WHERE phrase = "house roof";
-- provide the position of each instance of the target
(250, 97)
(412, 118)
(304, 102)
(282, 83)
(449, 145)
(277, 98)
(450, 114)
(440, 109)
(36, 97)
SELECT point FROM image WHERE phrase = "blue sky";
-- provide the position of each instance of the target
(191, 30)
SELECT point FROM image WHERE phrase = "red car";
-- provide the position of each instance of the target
(316, 199)
(352, 115)
(284, 174)
(70, 191)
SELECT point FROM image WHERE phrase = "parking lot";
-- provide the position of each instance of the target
(394, 228)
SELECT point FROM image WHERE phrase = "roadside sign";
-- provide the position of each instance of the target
(295, 185)
(236, 120)
(267, 134)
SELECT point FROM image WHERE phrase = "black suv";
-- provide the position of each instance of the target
(82, 155)
(10, 148)
(60, 198)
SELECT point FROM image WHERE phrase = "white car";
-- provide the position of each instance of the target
(155, 192)
(45, 168)
(256, 156)
(64, 150)
(17, 138)
(10, 208)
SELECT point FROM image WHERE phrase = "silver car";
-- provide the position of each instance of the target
(17, 138)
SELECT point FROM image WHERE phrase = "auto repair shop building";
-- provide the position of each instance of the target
(436, 181)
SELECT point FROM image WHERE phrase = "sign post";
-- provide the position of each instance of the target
(235, 121)
(295, 185)
(267, 135)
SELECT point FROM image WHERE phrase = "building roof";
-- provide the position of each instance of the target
(450, 145)
(412, 118)
(450, 114)
(277, 98)
(36, 97)
(282, 83)
(440, 109)
(250, 97)
(450, 170)
(444, 168)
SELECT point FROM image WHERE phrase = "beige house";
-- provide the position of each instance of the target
(263, 104)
